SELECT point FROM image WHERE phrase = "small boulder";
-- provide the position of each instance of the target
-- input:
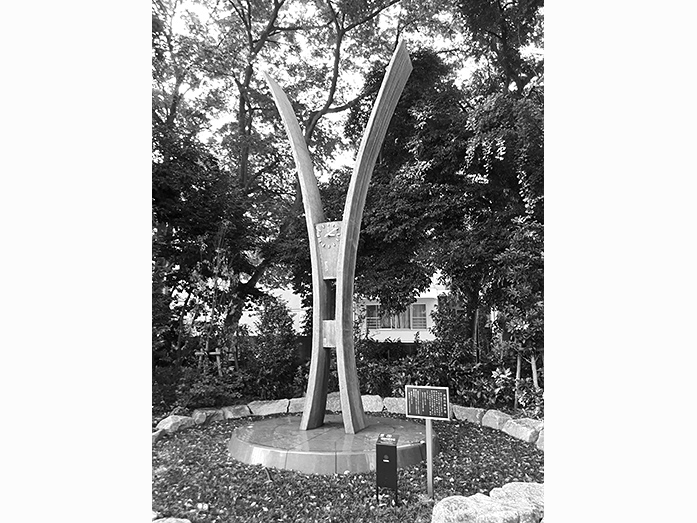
(468, 414)
(473, 509)
(525, 429)
(372, 403)
(520, 493)
(526, 511)
(235, 411)
(296, 405)
(495, 419)
(334, 402)
(540, 443)
(264, 408)
(171, 520)
(395, 405)
(156, 435)
(172, 424)
(203, 415)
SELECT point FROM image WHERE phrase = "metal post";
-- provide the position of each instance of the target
(429, 456)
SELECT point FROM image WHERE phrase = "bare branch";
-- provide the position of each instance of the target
(371, 15)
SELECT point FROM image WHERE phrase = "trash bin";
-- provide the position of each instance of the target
(386, 464)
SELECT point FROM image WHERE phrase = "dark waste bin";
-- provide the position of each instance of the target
(386, 464)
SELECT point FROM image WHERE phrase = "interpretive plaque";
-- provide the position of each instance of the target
(428, 402)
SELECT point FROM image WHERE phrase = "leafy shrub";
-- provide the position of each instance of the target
(274, 363)
(204, 388)
(375, 377)
(434, 363)
(530, 400)
(488, 389)
(368, 349)
(164, 387)
(302, 374)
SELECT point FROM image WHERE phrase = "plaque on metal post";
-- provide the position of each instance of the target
(428, 402)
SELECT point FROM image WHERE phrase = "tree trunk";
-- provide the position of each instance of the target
(476, 335)
(518, 366)
(533, 365)
(471, 307)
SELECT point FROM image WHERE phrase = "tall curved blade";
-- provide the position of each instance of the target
(396, 76)
(303, 162)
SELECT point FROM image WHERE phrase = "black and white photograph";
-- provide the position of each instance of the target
(352, 260)
(348, 261)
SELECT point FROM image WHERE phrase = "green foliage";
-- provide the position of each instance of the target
(520, 281)
(493, 389)
(530, 399)
(165, 380)
(369, 349)
(275, 352)
(458, 186)
(499, 32)
(204, 388)
(375, 377)
(449, 322)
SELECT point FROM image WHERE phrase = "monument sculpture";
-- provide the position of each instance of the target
(333, 247)
(315, 443)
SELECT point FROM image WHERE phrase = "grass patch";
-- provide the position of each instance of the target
(193, 477)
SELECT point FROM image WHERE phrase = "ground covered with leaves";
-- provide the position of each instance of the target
(195, 478)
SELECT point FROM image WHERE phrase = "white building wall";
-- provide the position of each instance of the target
(404, 335)
(294, 302)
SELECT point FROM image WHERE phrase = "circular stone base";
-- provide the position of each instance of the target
(279, 443)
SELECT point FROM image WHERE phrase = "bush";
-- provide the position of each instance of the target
(375, 377)
(487, 388)
(204, 388)
(530, 400)
(164, 387)
(390, 350)
(274, 363)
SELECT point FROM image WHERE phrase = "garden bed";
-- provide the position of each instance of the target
(194, 478)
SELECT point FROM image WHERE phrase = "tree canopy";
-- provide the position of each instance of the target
(458, 186)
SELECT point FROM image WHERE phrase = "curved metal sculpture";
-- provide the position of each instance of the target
(333, 247)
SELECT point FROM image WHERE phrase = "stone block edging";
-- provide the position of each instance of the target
(525, 429)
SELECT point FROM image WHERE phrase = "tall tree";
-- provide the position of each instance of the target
(459, 168)
(212, 117)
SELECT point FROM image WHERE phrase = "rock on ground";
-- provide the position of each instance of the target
(334, 402)
(172, 424)
(522, 494)
(171, 520)
(525, 429)
(495, 419)
(264, 408)
(372, 403)
(296, 404)
(395, 405)
(540, 443)
(472, 509)
(235, 411)
(203, 415)
(470, 414)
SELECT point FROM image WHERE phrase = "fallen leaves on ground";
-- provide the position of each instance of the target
(195, 478)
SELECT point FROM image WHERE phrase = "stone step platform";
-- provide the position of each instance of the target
(279, 443)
